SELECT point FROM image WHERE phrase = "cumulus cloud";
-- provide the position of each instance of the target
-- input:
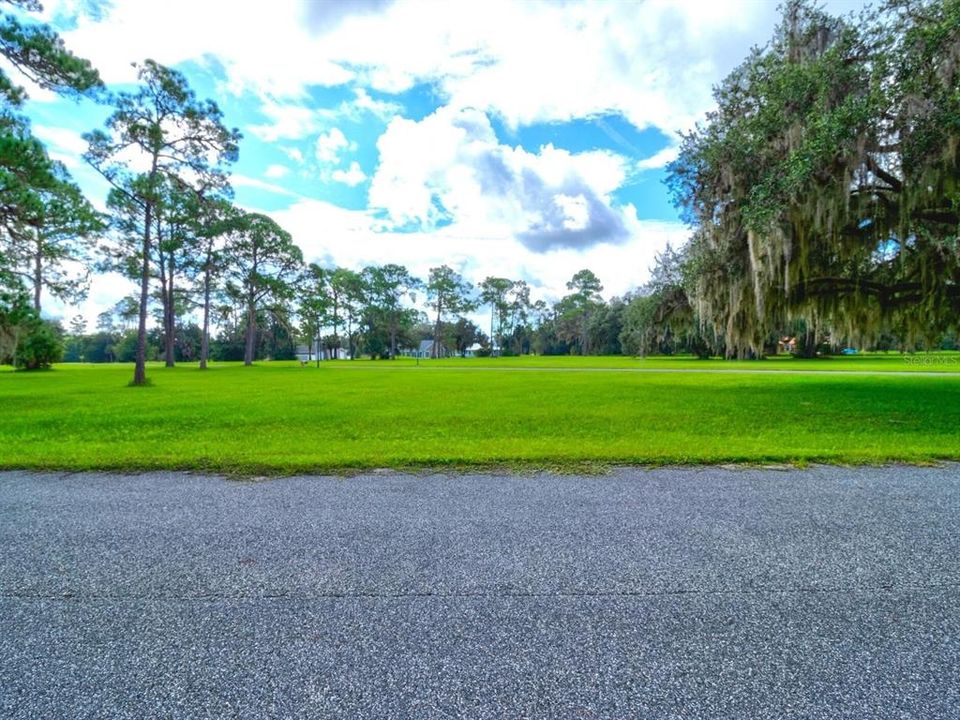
(286, 121)
(582, 59)
(323, 15)
(363, 102)
(352, 176)
(330, 144)
(451, 167)
(294, 154)
(270, 52)
(654, 62)
(356, 238)
(660, 159)
(276, 171)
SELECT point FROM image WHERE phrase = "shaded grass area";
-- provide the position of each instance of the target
(943, 361)
(278, 418)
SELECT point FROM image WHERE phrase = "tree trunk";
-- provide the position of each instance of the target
(808, 345)
(166, 296)
(350, 336)
(170, 323)
(205, 336)
(493, 340)
(140, 368)
(251, 335)
(436, 330)
(38, 273)
(336, 336)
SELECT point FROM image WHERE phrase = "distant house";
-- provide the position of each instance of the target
(787, 345)
(306, 354)
(425, 350)
(473, 350)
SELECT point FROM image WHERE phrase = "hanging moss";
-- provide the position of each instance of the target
(826, 185)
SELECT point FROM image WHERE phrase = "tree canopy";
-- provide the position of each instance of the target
(159, 137)
(824, 187)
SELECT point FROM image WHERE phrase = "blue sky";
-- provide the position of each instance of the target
(523, 139)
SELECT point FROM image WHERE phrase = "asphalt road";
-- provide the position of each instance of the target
(673, 593)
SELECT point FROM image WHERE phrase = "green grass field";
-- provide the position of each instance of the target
(277, 418)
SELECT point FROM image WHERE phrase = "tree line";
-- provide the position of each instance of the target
(380, 312)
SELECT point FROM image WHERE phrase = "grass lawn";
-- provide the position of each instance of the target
(277, 418)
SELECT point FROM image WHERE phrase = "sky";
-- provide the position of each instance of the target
(518, 139)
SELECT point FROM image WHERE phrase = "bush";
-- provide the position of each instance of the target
(42, 347)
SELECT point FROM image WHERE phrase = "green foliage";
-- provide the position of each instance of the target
(262, 267)
(182, 147)
(447, 294)
(825, 185)
(37, 52)
(586, 286)
(569, 329)
(41, 347)
(26, 341)
(660, 319)
(16, 315)
(46, 244)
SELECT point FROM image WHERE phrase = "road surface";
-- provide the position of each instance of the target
(669, 593)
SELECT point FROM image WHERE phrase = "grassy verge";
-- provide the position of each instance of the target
(279, 418)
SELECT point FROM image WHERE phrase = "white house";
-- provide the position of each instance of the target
(306, 354)
(425, 351)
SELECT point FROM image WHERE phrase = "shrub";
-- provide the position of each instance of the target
(42, 347)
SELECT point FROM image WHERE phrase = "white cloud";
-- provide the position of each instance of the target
(450, 167)
(355, 238)
(654, 62)
(244, 181)
(380, 108)
(62, 144)
(61, 138)
(362, 104)
(106, 289)
(352, 177)
(270, 52)
(660, 159)
(294, 154)
(575, 209)
(276, 172)
(330, 144)
(286, 121)
(295, 119)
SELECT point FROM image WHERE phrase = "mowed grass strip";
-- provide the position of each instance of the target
(880, 362)
(278, 418)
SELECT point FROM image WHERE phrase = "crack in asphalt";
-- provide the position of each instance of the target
(890, 588)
